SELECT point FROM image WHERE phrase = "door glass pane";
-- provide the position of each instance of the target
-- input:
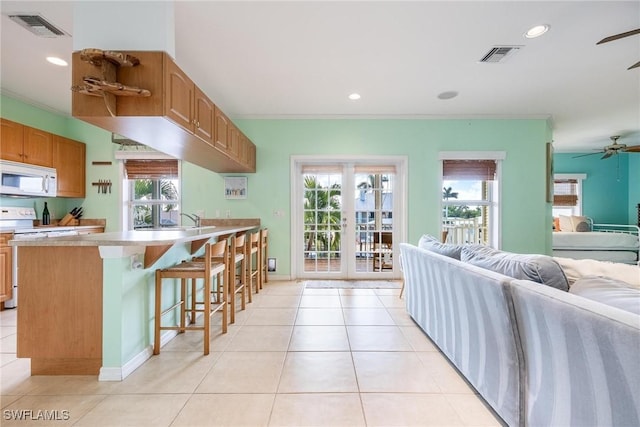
(373, 209)
(322, 222)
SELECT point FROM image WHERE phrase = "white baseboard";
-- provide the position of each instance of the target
(118, 374)
(110, 374)
(279, 277)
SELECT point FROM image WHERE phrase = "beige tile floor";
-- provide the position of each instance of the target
(295, 357)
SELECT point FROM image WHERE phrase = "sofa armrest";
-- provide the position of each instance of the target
(581, 358)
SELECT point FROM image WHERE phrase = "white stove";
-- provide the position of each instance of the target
(19, 220)
(16, 217)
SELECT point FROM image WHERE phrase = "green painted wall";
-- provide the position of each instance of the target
(128, 294)
(523, 198)
(611, 190)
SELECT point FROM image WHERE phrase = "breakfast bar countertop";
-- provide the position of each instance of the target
(107, 279)
(136, 237)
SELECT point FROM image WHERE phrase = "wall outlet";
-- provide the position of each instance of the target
(228, 213)
(136, 261)
(217, 213)
(200, 213)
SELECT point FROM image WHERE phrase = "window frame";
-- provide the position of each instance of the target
(579, 178)
(126, 190)
(495, 194)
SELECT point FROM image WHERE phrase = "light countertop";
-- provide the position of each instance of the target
(135, 238)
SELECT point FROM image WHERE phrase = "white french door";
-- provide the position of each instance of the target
(348, 217)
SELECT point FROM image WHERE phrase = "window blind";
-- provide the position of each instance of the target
(565, 192)
(482, 170)
(151, 169)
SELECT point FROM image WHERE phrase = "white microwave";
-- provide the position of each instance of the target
(24, 180)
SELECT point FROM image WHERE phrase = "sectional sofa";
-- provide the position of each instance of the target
(537, 353)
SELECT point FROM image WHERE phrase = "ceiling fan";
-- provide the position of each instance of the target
(615, 148)
(621, 36)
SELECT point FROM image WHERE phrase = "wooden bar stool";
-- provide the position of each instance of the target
(236, 271)
(264, 255)
(206, 270)
(253, 268)
(237, 274)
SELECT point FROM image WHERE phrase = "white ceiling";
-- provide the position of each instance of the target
(302, 59)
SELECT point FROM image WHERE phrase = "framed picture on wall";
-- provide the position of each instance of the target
(549, 172)
(235, 187)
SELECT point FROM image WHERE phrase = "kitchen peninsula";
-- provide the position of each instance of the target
(86, 302)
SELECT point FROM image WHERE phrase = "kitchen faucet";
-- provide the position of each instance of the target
(193, 217)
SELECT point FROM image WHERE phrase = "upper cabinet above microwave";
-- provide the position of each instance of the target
(149, 99)
(25, 144)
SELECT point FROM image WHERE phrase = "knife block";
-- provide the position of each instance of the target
(68, 219)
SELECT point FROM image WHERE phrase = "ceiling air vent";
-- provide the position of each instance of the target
(37, 25)
(499, 54)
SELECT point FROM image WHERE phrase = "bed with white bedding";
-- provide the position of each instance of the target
(607, 242)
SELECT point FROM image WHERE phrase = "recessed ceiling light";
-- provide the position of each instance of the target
(354, 96)
(448, 95)
(536, 31)
(57, 61)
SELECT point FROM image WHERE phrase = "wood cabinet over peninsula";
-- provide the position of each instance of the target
(177, 117)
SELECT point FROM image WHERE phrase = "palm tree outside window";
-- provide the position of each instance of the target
(154, 196)
(322, 216)
(468, 200)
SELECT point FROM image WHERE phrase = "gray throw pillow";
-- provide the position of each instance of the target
(538, 268)
(615, 293)
(432, 244)
(583, 226)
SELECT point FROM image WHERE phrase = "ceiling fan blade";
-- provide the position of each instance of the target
(632, 149)
(584, 155)
(619, 36)
(608, 154)
(636, 65)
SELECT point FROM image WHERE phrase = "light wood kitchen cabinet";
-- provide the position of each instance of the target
(25, 144)
(179, 96)
(249, 154)
(12, 140)
(204, 114)
(222, 131)
(187, 105)
(245, 151)
(38, 147)
(235, 143)
(69, 159)
(6, 273)
(175, 116)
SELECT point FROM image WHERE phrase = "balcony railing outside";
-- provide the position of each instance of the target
(465, 231)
